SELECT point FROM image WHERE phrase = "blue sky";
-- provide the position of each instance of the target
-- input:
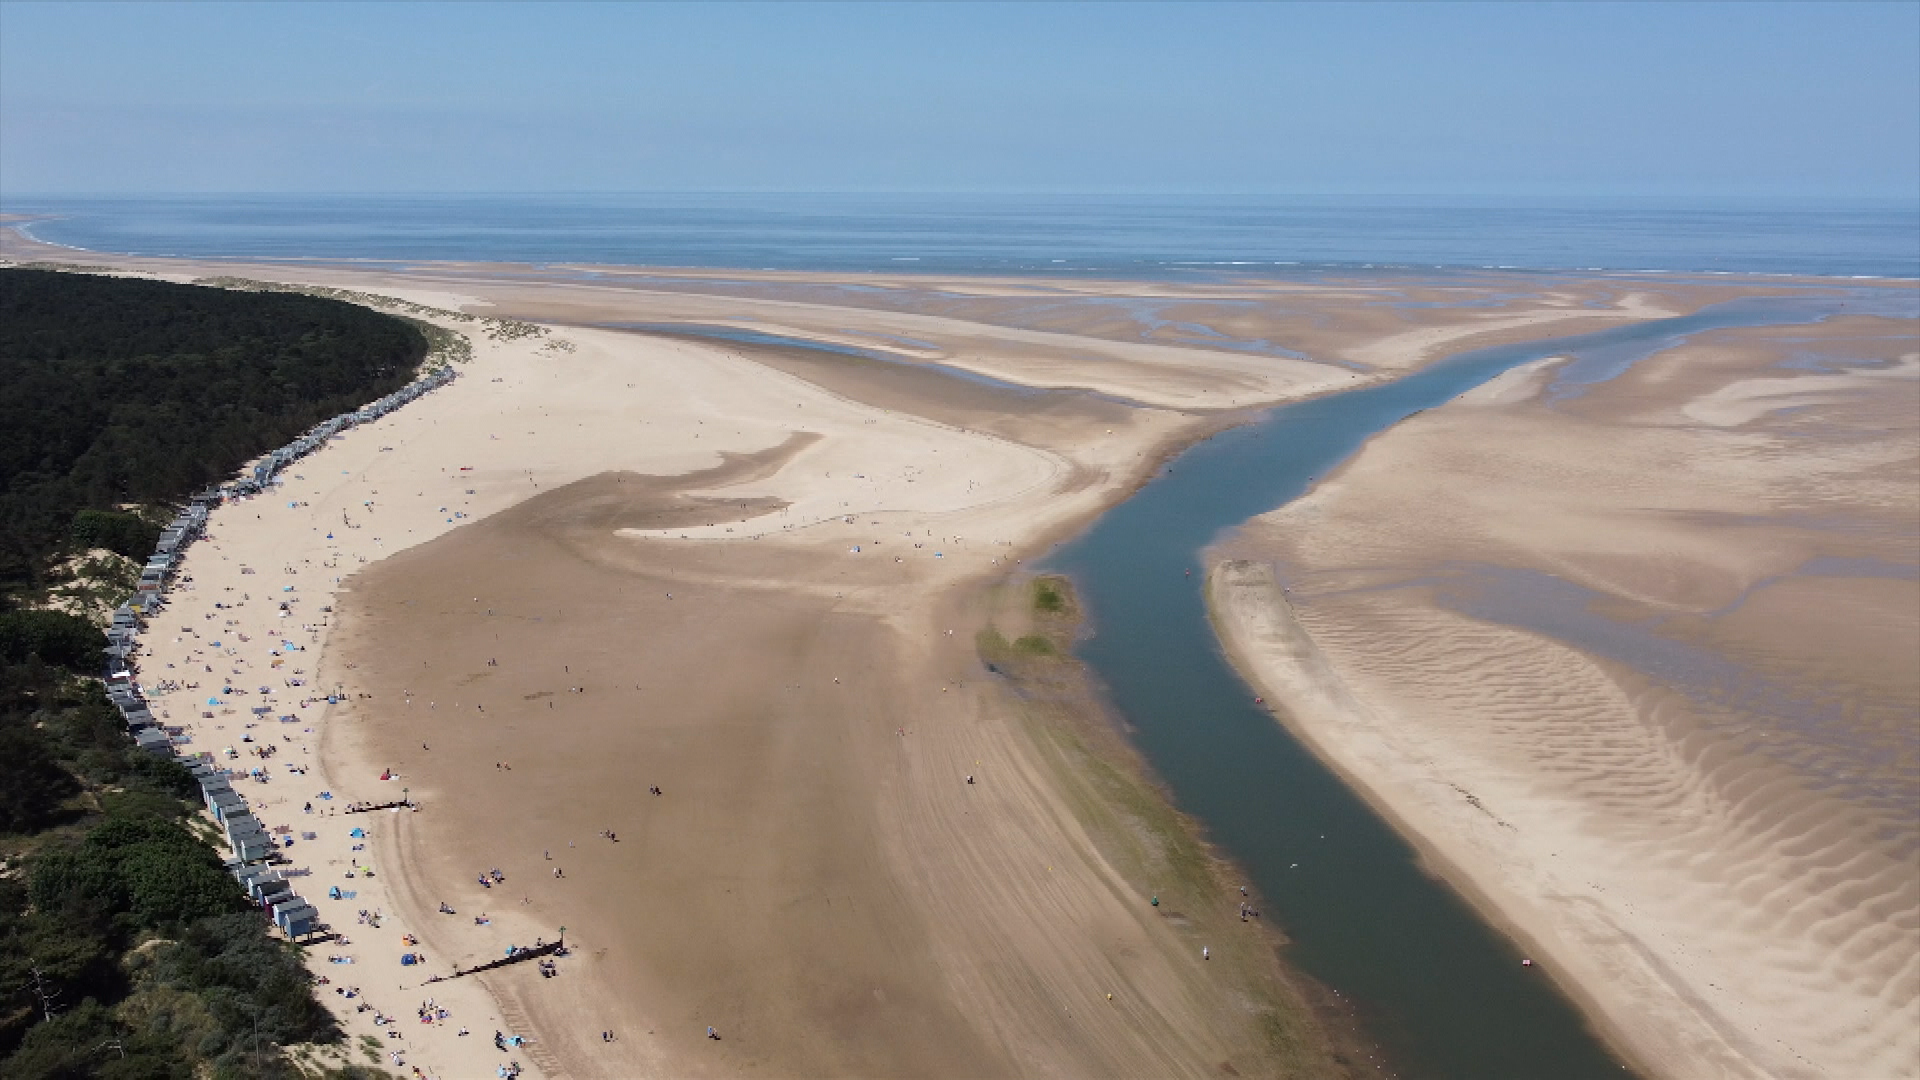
(1654, 99)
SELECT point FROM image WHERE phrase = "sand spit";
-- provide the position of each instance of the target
(1634, 662)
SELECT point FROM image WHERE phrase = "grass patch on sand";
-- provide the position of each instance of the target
(1034, 645)
(1050, 595)
(995, 649)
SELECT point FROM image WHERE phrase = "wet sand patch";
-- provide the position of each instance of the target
(752, 876)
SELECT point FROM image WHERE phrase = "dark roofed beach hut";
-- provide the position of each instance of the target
(297, 919)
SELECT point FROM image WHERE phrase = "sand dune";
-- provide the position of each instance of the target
(1637, 669)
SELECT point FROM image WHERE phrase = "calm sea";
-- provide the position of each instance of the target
(1187, 237)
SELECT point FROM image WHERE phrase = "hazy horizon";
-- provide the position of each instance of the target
(1010, 193)
(1818, 101)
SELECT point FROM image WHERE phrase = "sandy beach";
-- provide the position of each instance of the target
(755, 577)
(1633, 660)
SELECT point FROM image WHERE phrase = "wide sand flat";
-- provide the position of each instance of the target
(1637, 667)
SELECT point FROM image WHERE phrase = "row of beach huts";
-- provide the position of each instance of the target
(256, 859)
(258, 478)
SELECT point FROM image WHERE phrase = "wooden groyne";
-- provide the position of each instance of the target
(368, 808)
(519, 956)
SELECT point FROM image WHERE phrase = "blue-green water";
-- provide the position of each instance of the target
(1170, 237)
(1445, 993)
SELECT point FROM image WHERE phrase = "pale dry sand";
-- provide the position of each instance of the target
(1637, 669)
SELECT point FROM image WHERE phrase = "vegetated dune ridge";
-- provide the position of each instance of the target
(983, 925)
(1635, 662)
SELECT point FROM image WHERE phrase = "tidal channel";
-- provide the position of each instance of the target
(1441, 990)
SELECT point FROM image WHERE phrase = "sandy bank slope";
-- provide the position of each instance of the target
(1636, 668)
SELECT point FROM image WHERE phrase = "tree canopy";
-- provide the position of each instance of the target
(124, 390)
(126, 949)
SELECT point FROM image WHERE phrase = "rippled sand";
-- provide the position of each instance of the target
(1637, 663)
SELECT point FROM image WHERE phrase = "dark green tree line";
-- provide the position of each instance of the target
(121, 390)
(126, 949)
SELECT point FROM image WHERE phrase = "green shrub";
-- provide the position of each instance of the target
(1048, 597)
(119, 532)
(244, 977)
(56, 637)
(121, 390)
(33, 786)
(142, 868)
